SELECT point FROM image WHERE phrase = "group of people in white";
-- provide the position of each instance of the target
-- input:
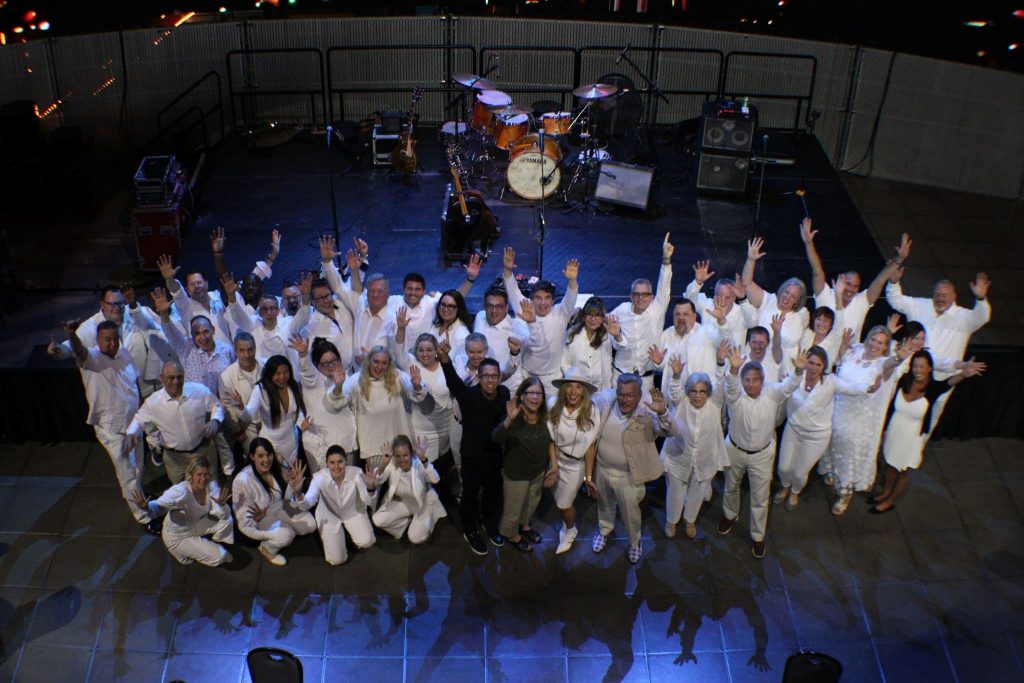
(399, 406)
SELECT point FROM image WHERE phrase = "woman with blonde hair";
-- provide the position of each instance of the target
(574, 425)
(378, 393)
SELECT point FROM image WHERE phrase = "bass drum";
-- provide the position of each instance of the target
(534, 173)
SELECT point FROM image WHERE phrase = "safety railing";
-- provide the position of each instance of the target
(251, 92)
(166, 129)
(802, 100)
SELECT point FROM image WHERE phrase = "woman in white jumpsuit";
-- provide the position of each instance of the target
(410, 502)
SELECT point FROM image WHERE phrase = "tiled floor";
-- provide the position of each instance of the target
(934, 592)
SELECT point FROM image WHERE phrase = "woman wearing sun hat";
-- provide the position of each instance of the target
(573, 422)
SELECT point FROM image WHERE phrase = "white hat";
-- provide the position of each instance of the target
(574, 375)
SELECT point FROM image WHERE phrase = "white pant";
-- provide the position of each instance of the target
(224, 453)
(799, 452)
(202, 550)
(615, 488)
(455, 433)
(684, 497)
(316, 452)
(332, 534)
(759, 467)
(281, 530)
(127, 466)
(570, 477)
(396, 516)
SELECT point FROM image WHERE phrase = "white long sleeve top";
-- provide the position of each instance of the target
(137, 325)
(735, 327)
(948, 332)
(642, 330)
(185, 309)
(180, 421)
(271, 342)
(331, 427)
(699, 446)
(248, 493)
(257, 409)
(696, 348)
(233, 379)
(420, 317)
(595, 364)
(793, 326)
(184, 511)
(544, 359)
(346, 500)
(111, 388)
(812, 411)
(497, 335)
(337, 328)
(853, 314)
(381, 417)
(752, 420)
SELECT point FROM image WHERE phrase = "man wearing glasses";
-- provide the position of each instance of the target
(642, 319)
(271, 330)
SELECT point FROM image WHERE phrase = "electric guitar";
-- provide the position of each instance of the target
(471, 226)
(403, 156)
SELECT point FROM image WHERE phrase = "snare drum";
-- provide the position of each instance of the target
(450, 129)
(533, 174)
(556, 123)
(509, 129)
(483, 119)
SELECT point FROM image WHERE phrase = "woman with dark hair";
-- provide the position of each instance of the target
(588, 344)
(824, 331)
(908, 423)
(276, 402)
(528, 451)
(196, 508)
(264, 501)
(452, 320)
(318, 365)
(809, 425)
(410, 502)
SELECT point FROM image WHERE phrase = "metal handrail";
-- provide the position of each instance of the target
(248, 92)
(203, 113)
(799, 99)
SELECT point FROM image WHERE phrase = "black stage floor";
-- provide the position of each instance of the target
(249, 191)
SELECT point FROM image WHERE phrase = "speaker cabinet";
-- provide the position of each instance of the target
(723, 173)
(729, 135)
(625, 184)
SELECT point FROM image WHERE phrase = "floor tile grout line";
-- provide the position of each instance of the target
(942, 636)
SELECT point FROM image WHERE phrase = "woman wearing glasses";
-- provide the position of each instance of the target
(588, 344)
(452, 320)
(318, 369)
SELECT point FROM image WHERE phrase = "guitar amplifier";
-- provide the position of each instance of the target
(382, 145)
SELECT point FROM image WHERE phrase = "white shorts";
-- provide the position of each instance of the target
(570, 477)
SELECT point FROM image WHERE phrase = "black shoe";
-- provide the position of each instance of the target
(476, 544)
(155, 526)
(531, 535)
(497, 540)
(156, 456)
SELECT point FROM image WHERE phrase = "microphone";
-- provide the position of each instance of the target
(330, 131)
(623, 53)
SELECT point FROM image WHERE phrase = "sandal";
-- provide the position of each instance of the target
(522, 545)
(531, 535)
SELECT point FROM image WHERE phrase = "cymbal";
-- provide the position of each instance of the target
(473, 81)
(595, 91)
(509, 110)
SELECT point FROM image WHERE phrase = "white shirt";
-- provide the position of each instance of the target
(380, 417)
(497, 335)
(752, 420)
(234, 378)
(257, 409)
(421, 318)
(595, 364)
(185, 309)
(544, 360)
(345, 501)
(642, 330)
(457, 334)
(371, 329)
(569, 439)
(811, 411)
(853, 314)
(271, 342)
(137, 325)
(337, 328)
(695, 348)
(793, 326)
(111, 389)
(184, 512)
(248, 493)
(735, 327)
(329, 427)
(180, 421)
(948, 332)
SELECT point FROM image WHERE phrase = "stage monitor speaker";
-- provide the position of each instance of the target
(722, 174)
(624, 184)
(728, 134)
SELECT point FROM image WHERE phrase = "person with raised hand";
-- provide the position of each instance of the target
(721, 310)
(321, 366)
(588, 343)
(410, 503)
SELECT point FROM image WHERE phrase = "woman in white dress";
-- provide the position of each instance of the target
(588, 345)
(908, 423)
(196, 508)
(317, 367)
(432, 417)
(851, 461)
(342, 495)
(693, 457)
(378, 395)
(276, 403)
(573, 423)
(789, 302)
(452, 320)
(264, 501)
(824, 332)
(410, 502)
(808, 429)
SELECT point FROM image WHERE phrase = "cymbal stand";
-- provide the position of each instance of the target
(586, 164)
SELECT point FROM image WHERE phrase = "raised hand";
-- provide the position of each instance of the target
(800, 360)
(847, 340)
(361, 247)
(718, 312)
(980, 284)
(611, 325)
(420, 448)
(777, 321)
(724, 347)
(295, 474)
(971, 367)
(903, 350)
(571, 270)
(275, 244)
(167, 267)
(228, 283)
(513, 408)
(806, 234)
(754, 252)
(70, 325)
(300, 344)
(903, 250)
(657, 402)
(217, 241)
(415, 376)
(702, 272)
(305, 284)
(676, 364)
(839, 286)
(385, 455)
(473, 267)
(896, 275)
(352, 259)
(444, 349)
(327, 252)
(338, 374)
(223, 497)
(526, 312)
(515, 345)
(508, 259)
(128, 290)
(656, 355)
(160, 301)
(402, 317)
(893, 323)
(735, 359)
(667, 249)
(739, 287)
(370, 474)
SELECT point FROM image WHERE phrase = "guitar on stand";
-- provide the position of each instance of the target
(467, 224)
(403, 156)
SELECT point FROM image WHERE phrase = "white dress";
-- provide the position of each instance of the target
(432, 417)
(903, 445)
(857, 421)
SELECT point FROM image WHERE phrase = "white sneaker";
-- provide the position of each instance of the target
(275, 559)
(565, 540)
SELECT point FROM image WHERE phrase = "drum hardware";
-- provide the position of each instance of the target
(588, 159)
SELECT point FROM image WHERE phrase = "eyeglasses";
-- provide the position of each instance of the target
(641, 295)
(593, 315)
(329, 363)
(447, 307)
(322, 297)
(698, 392)
(116, 304)
(269, 309)
(538, 394)
(489, 375)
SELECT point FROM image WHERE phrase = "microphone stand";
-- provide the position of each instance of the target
(330, 192)
(760, 183)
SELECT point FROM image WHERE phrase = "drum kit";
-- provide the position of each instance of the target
(535, 141)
